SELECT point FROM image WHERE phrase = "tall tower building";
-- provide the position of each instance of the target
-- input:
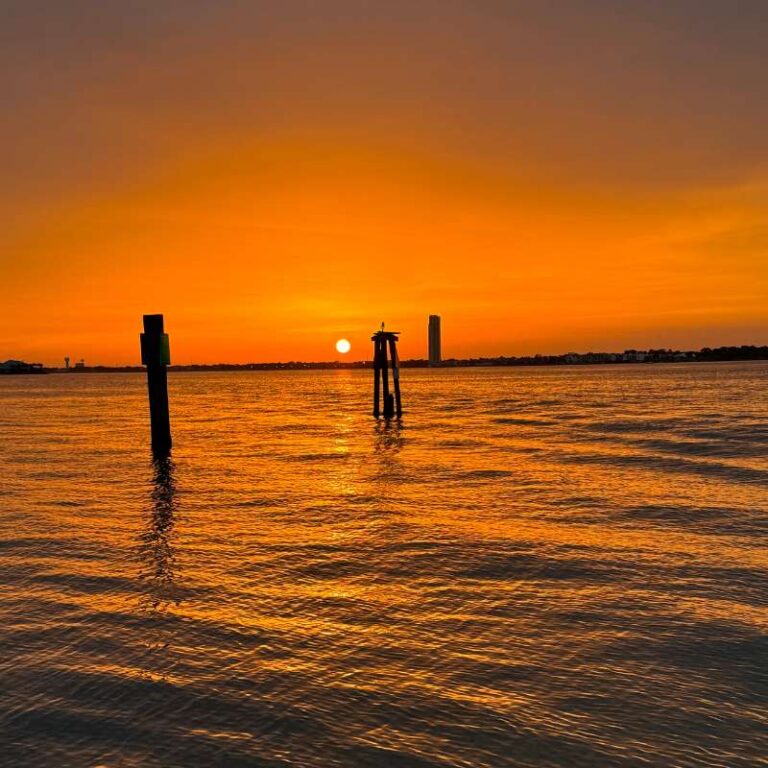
(434, 340)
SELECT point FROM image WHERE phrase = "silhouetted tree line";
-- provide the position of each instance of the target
(706, 354)
(733, 353)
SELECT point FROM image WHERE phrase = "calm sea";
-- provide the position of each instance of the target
(537, 567)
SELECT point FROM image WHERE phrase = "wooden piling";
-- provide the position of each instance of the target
(389, 411)
(156, 356)
(376, 375)
(395, 374)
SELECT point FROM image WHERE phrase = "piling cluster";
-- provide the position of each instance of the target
(385, 344)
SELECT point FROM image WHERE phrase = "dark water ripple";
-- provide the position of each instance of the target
(553, 567)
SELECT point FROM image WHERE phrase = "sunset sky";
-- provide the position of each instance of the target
(547, 176)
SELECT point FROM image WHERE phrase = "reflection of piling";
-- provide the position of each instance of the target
(157, 550)
(156, 355)
(385, 342)
(158, 590)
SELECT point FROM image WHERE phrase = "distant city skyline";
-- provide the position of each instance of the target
(363, 351)
(743, 352)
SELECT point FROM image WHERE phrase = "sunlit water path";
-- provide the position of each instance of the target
(538, 567)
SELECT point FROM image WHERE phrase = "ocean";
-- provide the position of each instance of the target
(535, 567)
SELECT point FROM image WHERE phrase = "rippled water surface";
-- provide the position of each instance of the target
(537, 567)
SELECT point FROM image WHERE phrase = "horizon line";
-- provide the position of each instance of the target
(418, 361)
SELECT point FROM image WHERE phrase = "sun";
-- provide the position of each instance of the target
(343, 346)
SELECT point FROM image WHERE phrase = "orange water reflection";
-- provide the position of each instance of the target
(531, 563)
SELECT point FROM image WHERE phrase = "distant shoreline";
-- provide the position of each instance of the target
(629, 357)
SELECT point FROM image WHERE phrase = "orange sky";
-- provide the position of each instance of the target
(546, 176)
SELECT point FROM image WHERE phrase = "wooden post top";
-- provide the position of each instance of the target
(155, 345)
(153, 324)
(385, 335)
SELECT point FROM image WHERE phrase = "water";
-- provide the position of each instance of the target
(539, 567)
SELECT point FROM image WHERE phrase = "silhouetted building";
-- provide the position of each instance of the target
(435, 356)
(19, 366)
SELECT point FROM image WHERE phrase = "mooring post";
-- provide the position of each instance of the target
(389, 411)
(395, 374)
(391, 402)
(376, 374)
(156, 355)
